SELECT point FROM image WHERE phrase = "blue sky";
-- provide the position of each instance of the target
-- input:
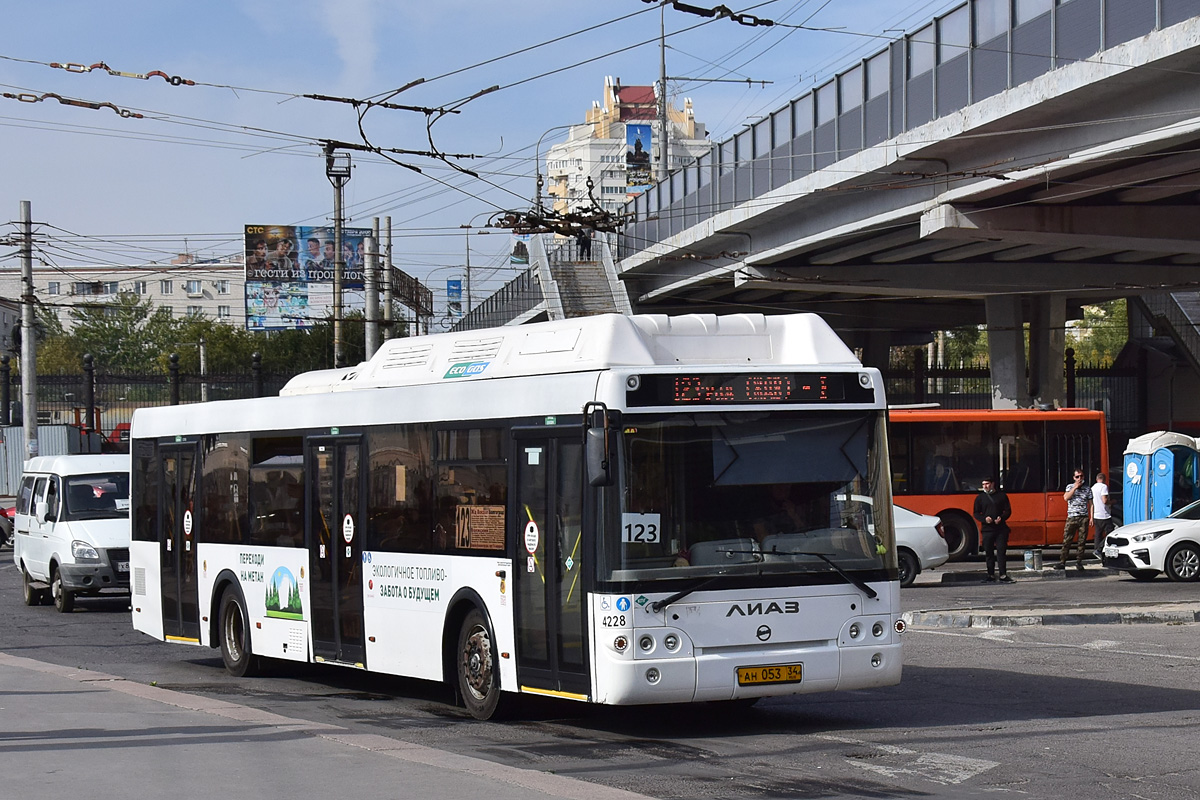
(240, 146)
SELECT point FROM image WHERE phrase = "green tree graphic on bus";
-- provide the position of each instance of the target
(283, 596)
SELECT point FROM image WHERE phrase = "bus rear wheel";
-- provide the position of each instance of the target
(234, 632)
(961, 535)
(478, 682)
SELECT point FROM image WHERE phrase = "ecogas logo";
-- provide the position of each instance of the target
(466, 370)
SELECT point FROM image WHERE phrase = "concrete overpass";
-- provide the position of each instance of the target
(988, 168)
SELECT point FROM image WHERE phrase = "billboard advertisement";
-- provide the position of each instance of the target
(637, 158)
(289, 275)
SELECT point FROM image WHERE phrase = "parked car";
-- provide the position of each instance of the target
(1170, 545)
(920, 540)
(920, 543)
(6, 526)
(71, 528)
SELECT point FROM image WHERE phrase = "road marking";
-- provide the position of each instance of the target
(1087, 646)
(892, 761)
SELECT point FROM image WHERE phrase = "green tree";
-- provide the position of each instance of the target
(1102, 333)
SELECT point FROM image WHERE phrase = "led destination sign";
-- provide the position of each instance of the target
(749, 389)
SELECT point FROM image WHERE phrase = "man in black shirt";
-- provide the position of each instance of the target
(992, 510)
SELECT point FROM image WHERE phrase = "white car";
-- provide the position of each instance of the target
(920, 543)
(71, 531)
(920, 540)
(1170, 545)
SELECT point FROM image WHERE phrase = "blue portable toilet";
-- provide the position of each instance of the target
(1161, 475)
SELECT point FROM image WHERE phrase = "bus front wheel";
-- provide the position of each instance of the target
(961, 536)
(234, 630)
(478, 682)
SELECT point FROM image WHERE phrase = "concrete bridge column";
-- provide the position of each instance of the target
(1006, 351)
(876, 348)
(1047, 340)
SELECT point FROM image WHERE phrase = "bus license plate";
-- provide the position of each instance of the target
(122, 566)
(779, 673)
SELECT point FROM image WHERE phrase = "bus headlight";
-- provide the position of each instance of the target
(877, 629)
(646, 643)
(877, 660)
(652, 675)
(671, 642)
(855, 630)
(620, 644)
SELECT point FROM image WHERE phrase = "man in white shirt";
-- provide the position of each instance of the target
(1101, 513)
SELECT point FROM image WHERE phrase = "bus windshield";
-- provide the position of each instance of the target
(749, 493)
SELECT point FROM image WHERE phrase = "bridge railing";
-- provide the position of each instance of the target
(972, 52)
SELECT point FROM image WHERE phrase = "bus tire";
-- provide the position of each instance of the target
(962, 537)
(909, 567)
(475, 665)
(64, 598)
(1183, 562)
(234, 632)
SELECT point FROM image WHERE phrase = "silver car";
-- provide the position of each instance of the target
(920, 543)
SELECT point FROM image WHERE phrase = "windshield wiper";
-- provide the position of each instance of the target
(659, 605)
(867, 590)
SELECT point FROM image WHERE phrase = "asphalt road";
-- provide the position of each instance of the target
(1097, 711)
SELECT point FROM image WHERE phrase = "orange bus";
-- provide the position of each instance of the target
(940, 456)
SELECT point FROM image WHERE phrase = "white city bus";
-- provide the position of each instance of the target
(613, 509)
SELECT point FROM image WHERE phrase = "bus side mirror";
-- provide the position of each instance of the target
(599, 473)
(596, 444)
(40, 511)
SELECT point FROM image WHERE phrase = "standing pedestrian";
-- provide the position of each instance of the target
(1078, 497)
(584, 241)
(992, 510)
(1101, 513)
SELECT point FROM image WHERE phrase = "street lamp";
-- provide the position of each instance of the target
(337, 170)
(537, 163)
(467, 228)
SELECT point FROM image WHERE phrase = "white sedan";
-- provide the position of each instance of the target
(920, 543)
(1170, 545)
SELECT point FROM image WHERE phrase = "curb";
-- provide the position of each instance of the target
(1018, 618)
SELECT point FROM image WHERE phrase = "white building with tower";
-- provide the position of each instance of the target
(602, 147)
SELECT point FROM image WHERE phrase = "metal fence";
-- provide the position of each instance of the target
(97, 400)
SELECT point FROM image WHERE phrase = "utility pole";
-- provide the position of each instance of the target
(337, 169)
(664, 144)
(664, 137)
(28, 339)
(371, 290)
(203, 370)
(388, 299)
(468, 238)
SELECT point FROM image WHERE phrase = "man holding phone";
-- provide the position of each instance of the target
(1078, 494)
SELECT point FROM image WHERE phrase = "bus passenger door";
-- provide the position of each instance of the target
(177, 542)
(549, 564)
(334, 535)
